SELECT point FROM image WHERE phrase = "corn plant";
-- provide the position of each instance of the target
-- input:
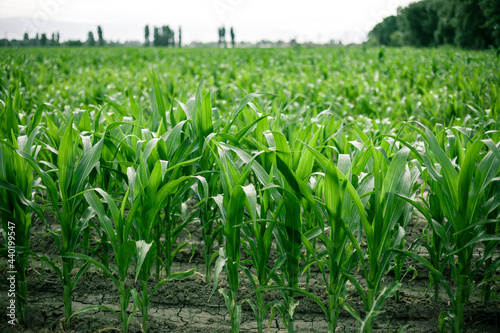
(258, 236)
(230, 255)
(383, 228)
(342, 212)
(257, 233)
(199, 112)
(491, 211)
(288, 232)
(236, 197)
(67, 202)
(149, 194)
(118, 231)
(460, 196)
(17, 207)
(207, 125)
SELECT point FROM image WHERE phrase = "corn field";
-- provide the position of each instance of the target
(249, 190)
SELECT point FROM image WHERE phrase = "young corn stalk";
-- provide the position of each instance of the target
(118, 230)
(344, 205)
(434, 244)
(16, 209)
(257, 233)
(383, 228)
(289, 244)
(173, 156)
(491, 211)
(230, 255)
(149, 195)
(461, 200)
(259, 237)
(206, 125)
(342, 212)
(288, 232)
(199, 113)
(232, 204)
(74, 167)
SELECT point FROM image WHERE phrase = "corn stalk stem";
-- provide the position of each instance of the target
(22, 290)
(333, 312)
(124, 301)
(168, 243)
(158, 245)
(461, 300)
(67, 292)
(487, 287)
(233, 313)
(207, 231)
(290, 321)
(145, 305)
(370, 297)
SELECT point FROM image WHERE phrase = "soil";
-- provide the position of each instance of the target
(186, 306)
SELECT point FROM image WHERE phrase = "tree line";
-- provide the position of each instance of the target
(162, 36)
(44, 40)
(471, 24)
(165, 36)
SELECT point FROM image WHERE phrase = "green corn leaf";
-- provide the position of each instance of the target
(205, 119)
(174, 276)
(234, 217)
(449, 173)
(333, 196)
(95, 307)
(244, 102)
(306, 161)
(36, 208)
(241, 133)
(35, 121)
(293, 244)
(66, 161)
(465, 178)
(158, 102)
(82, 256)
(89, 161)
(106, 225)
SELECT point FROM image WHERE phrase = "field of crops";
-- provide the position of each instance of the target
(253, 190)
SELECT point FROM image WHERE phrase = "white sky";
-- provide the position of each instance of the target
(253, 20)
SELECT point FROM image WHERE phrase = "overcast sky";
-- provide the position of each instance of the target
(253, 20)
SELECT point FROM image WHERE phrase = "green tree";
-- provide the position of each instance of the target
(418, 23)
(43, 40)
(171, 38)
(156, 37)
(382, 32)
(233, 42)
(146, 35)
(100, 40)
(222, 36)
(90, 39)
(491, 11)
(165, 35)
(470, 29)
(180, 37)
